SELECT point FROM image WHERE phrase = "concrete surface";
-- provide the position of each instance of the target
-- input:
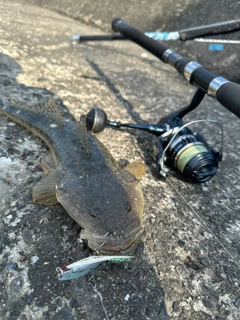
(185, 267)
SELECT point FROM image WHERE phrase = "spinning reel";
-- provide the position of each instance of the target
(176, 145)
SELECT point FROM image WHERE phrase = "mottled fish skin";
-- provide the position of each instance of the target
(104, 199)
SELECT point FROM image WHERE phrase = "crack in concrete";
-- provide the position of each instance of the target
(100, 297)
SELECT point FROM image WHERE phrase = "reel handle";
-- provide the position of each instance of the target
(96, 121)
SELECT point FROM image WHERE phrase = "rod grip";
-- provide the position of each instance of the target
(229, 96)
(153, 46)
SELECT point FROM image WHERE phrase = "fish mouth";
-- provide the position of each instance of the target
(111, 244)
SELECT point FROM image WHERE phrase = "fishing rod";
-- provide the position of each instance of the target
(227, 93)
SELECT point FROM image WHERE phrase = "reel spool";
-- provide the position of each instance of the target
(187, 152)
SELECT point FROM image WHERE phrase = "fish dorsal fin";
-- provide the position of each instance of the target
(49, 110)
(81, 134)
(52, 112)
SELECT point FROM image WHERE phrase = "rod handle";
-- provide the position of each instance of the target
(229, 96)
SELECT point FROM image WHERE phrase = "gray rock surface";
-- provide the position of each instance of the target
(187, 266)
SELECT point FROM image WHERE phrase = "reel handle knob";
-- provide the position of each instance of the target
(96, 120)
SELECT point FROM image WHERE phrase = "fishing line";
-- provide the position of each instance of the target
(203, 222)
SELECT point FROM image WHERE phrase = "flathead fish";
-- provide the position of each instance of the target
(81, 175)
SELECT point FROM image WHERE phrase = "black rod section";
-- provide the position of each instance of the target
(156, 48)
(226, 92)
(107, 37)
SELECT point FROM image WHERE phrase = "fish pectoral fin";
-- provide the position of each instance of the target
(44, 192)
(47, 163)
(137, 168)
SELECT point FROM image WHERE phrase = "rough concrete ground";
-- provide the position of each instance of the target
(181, 271)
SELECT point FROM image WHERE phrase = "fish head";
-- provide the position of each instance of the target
(108, 206)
